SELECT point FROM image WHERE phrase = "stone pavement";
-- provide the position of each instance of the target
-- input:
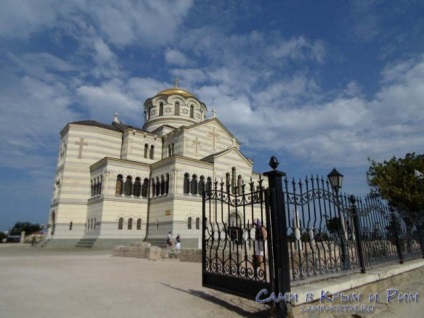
(86, 283)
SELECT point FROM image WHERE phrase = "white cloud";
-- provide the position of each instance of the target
(121, 23)
(298, 48)
(20, 18)
(176, 57)
(39, 65)
(34, 112)
(103, 101)
(144, 22)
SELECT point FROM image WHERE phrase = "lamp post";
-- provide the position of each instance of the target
(336, 180)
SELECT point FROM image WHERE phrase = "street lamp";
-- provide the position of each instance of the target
(336, 180)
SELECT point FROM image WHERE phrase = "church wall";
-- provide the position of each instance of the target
(74, 172)
(203, 140)
(176, 138)
(134, 146)
(65, 214)
(110, 210)
(161, 217)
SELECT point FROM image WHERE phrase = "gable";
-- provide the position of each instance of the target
(229, 157)
(206, 138)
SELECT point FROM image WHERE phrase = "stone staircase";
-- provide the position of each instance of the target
(42, 243)
(86, 242)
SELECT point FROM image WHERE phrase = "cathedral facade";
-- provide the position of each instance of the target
(118, 184)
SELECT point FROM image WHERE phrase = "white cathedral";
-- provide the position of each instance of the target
(118, 184)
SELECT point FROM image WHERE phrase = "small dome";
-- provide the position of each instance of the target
(175, 91)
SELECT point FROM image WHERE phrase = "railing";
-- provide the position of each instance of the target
(322, 234)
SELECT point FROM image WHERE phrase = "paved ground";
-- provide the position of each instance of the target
(79, 283)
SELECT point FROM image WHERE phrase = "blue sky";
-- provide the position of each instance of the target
(319, 84)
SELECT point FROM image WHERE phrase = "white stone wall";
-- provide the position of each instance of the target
(73, 172)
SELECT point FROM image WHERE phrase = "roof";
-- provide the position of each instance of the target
(121, 127)
(176, 91)
(95, 124)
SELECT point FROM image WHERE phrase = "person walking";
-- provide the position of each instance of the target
(261, 235)
(178, 243)
(169, 241)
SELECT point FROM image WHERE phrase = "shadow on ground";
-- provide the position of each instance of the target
(225, 304)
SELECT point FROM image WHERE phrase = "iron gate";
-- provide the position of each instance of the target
(236, 256)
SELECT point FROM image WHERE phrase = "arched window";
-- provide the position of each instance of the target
(193, 185)
(137, 187)
(172, 149)
(95, 223)
(161, 109)
(92, 188)
(153, 187)
(130, 224)
(128, 186)
(208, 184)
(169, 151)
(189, 223)
(70, 225)
(177, 108)
(138, 224)
(120, 223)
(197, 223)
(201, 185)
(119, 185)
(145, 188)
(157, 186)
(53, 220)
(152, 152)
(100, 184)
(167, 184)
(186, 183)
(162, 185)
(146, 150)
(191, 111)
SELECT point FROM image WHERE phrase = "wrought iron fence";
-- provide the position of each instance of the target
(309, 230)
(321, 231)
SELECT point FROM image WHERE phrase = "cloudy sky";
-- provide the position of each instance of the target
(319, 84)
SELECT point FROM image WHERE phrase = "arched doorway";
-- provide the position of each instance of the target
(53, 222)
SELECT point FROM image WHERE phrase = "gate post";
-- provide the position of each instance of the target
(396, 233)
(281, 282)
(358, 235)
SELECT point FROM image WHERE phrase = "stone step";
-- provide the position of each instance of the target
(86, 242)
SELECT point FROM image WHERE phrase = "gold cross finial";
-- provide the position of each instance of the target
(176, 82)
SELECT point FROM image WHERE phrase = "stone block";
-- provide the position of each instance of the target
(154, 253)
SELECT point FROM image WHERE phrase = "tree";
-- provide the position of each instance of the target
(27, 227)
(395, 181)
(334, 225)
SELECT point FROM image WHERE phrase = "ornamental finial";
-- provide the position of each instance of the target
(273, 162)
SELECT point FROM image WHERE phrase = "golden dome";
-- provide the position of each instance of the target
(175, 91)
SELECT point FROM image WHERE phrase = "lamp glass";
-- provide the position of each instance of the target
(336, 179)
